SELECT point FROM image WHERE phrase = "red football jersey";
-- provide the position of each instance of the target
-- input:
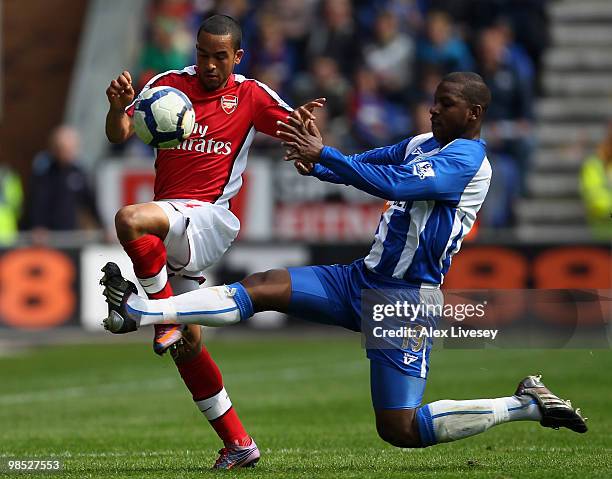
(208, 166)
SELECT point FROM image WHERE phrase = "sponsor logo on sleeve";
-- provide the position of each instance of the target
(423, 169)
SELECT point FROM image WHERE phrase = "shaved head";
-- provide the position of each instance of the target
(473, 88)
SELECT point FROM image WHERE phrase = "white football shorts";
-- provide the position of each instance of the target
(200, 233)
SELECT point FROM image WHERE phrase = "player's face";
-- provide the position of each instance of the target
(216, 58)
(450, 114)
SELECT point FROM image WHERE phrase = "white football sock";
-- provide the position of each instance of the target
(213, 306)
(452, 420)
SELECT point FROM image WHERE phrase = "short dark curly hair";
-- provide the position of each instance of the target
(223, 25)
(473, 87)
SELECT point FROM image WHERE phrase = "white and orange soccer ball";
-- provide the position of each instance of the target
(163, 117)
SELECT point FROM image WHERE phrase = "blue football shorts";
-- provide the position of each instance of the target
(333, 295)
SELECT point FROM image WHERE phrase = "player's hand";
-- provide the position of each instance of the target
(292, 155)
(304, 111)
(120, 92)
(302, 140)
(303, 169)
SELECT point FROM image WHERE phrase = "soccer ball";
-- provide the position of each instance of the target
(163, 117)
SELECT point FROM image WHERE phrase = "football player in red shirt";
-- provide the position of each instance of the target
(189, 225)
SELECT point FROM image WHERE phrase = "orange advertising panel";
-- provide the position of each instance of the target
(540, 267)
(37, 288)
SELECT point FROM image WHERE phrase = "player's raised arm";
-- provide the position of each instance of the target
(298, 127)
(120, 94)
(378, 172)
(441, 177)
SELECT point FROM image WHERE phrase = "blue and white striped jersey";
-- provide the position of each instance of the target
(433, 196)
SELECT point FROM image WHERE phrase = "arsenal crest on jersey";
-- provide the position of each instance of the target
(229, 103)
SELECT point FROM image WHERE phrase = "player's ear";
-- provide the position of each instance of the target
(238, 56)
(476, 112)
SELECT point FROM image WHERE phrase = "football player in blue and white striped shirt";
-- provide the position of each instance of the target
(435, 184)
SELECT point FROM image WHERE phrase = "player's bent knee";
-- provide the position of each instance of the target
(400, 438)
(400, 433)
(190, 346)
(269, 290)
(127, 222)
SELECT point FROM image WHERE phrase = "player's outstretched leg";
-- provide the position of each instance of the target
(214, 306)
(445, 421)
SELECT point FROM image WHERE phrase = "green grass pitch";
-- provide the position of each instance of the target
(116, 410)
